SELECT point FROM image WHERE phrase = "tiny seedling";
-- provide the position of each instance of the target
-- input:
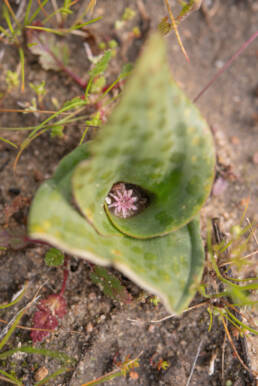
(122, 370)
(40, 90)
(52, 308)
(12, 80)
(54, 257)
(6, 333)
(13, 32)
(72, 109)
(226, 296)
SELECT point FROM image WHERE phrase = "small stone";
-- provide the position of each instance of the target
(219, 63)
(40, 374)
(102, 318)
(134, 375)
(151, 328)
(219, 186)
(255, 158)
(89, 327)
(235, 140)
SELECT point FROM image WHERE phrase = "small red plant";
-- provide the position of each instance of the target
(49, 310)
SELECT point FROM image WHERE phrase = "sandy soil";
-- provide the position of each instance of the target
(99, 331)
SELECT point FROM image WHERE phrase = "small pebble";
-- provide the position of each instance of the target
(151, 328)
(89, 327)
(134, 375)
(219, 186)
(40, 374)
(101, 318)
(219, 63)
(235, 140)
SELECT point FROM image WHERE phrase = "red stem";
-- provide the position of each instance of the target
(227, 64)
(35, 241)
(78, 80)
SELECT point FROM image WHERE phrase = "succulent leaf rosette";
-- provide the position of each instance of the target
(138, 187)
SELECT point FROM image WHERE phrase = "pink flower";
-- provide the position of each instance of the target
(122, 200)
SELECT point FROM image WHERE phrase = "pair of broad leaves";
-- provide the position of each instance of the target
(155, 139)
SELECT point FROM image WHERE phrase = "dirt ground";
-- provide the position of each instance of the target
(98, 331)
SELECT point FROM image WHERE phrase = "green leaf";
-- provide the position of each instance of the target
(57, 131)
(98, 84)
(101, 65)
(164, 26)
(8, 142)
(110, 284)
(127, 68)
(47, 47)
(156, 139)
(74, 103)
(54, 257)
(169, 266)
(8, 332)
(16, 300)
(10, 377)
(62, 357)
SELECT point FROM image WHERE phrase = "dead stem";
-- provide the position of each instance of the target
(235, 350)
(194, 362)
(227, 65)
